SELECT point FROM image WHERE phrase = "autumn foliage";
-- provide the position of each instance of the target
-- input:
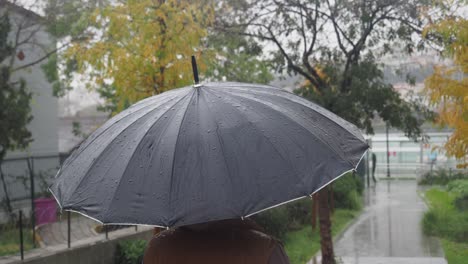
(142, 48)
(447, 88)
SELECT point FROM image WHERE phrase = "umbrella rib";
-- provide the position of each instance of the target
(292, 98)
(113, 197)
(220, 144)
(282, 156)
(309, 195)
(117, 118)
(288, 117)
(106, 147)
(175, 148)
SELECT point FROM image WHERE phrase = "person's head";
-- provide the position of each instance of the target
(245, 223)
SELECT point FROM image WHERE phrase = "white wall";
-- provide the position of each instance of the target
(44, 126)
(43, 105)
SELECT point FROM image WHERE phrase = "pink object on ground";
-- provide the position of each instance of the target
(45, 210)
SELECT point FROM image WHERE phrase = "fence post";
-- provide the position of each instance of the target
(388, 150)
(367, 165)
(68, 229)
(30, 162)
(107, 232)
(21, 234)
(136, 228)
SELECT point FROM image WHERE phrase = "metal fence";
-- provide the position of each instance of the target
(29, 215)
(415, 170)
(20, 234)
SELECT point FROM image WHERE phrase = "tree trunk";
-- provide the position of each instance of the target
(325, 227)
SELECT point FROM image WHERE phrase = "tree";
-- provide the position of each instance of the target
(135, 49)
(329, 43)
(238, 57)
(334, 46)
(15, 110)
(447, 87)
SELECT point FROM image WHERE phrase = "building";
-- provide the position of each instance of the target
(406, 157)
(32, 42)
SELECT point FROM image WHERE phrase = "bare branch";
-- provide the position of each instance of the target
(47, 55)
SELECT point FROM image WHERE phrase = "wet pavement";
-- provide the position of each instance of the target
(389, 229)
(57, 233)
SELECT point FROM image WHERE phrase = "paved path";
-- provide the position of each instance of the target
(389, 230)
(57, 233)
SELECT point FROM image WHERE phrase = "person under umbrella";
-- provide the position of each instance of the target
(233, 241)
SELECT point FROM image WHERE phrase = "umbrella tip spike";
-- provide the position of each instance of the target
(195, 71)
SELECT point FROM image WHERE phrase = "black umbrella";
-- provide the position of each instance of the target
(207, 152)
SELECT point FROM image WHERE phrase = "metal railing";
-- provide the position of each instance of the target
(29, 215)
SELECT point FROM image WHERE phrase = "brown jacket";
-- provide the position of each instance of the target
(227, 242)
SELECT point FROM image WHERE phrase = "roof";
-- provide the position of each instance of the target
(25, 12)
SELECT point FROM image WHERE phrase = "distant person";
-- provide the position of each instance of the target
(227, 242)
(374, 165)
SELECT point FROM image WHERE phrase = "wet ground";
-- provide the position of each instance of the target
(57, 233)
(389, 229)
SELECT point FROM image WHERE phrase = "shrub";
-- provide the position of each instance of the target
(429, 223)
(461, 203)
(130, 252)
(299, 213)
(443, 219)
(450, 226)
(460, 189)
(442, 177)
(347, 192)
(274, 221)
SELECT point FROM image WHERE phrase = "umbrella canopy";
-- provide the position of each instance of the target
(206, 152)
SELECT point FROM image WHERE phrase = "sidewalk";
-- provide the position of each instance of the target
(389, 230)
(56, 233)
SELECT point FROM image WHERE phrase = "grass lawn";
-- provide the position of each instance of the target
(10, 241)
(302, 244)
(439, 198)
(455, 253)
(445, 221)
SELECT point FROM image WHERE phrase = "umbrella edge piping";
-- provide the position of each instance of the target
(242, 217)
(310, 195)
(97, 220)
